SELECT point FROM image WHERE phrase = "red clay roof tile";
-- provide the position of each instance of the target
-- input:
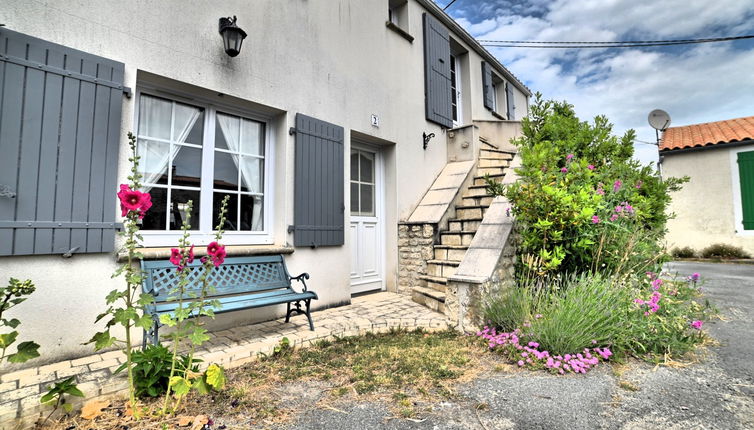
(708, 133)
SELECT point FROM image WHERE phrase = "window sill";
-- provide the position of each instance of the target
(403, 33)
(163, 253)
(497, 115)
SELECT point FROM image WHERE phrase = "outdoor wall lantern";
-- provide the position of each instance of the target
(233, 36)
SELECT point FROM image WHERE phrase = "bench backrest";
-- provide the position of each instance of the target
(235, 275)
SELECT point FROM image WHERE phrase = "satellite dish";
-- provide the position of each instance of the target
(659, 119)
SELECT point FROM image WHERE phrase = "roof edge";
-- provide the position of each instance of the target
(707, 146)
(446, 19)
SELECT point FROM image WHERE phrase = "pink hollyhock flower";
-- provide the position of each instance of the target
(697, 324)
(595, 219)
(563, 170)
(175, 256)
(191, 254)
(133, 200)
(212, 248)
(219, 257)
(617, 185)
(590, 167)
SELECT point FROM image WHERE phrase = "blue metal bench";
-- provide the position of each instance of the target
(239, 283)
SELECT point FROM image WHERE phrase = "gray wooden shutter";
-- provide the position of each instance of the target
(318, 196)
(60, 114)
(510, 102)
(487, 86)
(437, 96)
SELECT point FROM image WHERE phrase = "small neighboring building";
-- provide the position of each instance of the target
(717, 204)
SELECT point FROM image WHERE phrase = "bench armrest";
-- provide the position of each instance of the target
(301, 278)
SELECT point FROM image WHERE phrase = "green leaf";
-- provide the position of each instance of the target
(102, 340)
(145, 299)
(199, 336)
(49, 396)
(113, 296)
(26, 351)
(74, 391)
(13, 323)
(167, 320)
(145, 322)
(67, 407)
(7, 339)
(215, 376)
(180, 385)
(201, 386)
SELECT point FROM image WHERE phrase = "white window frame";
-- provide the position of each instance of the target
(493, 88)
(738, 211)
(456, 86)
(206, 233)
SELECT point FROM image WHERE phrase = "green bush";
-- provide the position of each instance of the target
(152, 370)
(582, 202)
(684, 252)
(721, 250)
(511, 309)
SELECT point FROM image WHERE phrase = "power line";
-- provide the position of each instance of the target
(448, 5)
(624, 44)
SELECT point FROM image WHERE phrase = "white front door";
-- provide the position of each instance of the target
(366, 227)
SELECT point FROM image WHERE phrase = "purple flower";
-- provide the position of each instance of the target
(697, 324)
(590, 167)
(600, 191)
(656, 284)
(595, 219)
(694, 276)
(569, 157)
(614, 217)
(520, 363)
(639, 184)
(563, 170)
(617, 185)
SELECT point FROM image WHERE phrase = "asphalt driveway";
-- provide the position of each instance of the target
(715, 394)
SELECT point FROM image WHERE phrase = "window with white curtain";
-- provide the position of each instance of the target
(200, 153)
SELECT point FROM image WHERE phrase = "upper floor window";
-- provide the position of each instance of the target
(200, 153)
(397, 13)
(455, 90)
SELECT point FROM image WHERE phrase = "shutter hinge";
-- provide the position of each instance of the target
(292, 131)
(127, 91)
(291, 228)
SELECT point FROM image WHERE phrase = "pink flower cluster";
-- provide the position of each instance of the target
(694, 277)
(529, 354)
(133, 201)
(215, 252)
(651, 304)
(696, 324)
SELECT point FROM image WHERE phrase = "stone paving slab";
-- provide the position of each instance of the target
(20, 390)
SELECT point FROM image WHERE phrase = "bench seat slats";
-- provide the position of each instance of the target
(239, 283)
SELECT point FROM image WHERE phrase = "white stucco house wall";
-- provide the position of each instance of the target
(75, 77)
(717, 204)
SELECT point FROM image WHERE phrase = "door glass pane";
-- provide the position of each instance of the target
(231, 216)
(226, 172)
(187, 166)
(179, 208)
(252, 174)
(367, 168)
(367, 200)
(354, 198)
(354, 165)
(156, 216)
(252, 137)
(155, 116)
(252, 213)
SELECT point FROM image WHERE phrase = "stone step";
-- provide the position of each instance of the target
(483, 200)
(487, 152)
(470, 212)
(492, 162)
(479, 180)
(456, 237)
(476, 191)
(436, 283)
(450, 252)
(464, 224)
(442, 268)
(481, 171)
(430, 298)
(487, 145)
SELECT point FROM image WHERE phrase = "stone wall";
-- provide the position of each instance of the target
(414, 249)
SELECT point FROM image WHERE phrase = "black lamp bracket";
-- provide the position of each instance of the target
(427, 137)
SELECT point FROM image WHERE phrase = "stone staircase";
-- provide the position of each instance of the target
(453, 242)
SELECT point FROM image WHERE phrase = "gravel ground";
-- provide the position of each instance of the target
(717, 393)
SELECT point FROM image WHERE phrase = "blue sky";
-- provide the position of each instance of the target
(693, 83)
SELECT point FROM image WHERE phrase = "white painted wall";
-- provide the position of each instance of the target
(706, 206)
(334, 60)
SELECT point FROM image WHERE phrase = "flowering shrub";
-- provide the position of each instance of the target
(582, 201)
(10, 296)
